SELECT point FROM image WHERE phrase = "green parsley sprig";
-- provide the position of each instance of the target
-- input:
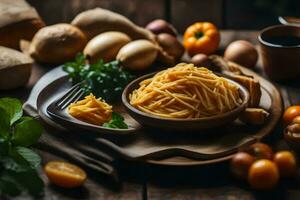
(117, 121)
(105, 80)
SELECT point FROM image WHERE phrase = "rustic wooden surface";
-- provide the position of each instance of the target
(161, 182)
(229, 14)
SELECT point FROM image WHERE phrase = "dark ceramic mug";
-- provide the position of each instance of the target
(280, 51)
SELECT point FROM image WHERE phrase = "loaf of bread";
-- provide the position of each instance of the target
(15, 68)
(18, 20)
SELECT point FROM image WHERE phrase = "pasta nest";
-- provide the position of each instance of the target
(185, 91)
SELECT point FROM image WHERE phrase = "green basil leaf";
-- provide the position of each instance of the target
(27, 132)
(4, 124)
(30, 156)
(12, 107)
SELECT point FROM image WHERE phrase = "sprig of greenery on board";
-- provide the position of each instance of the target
(105, 80)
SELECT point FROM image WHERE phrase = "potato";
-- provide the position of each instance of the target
(200, 60)
(95, 21)
(137, 55)
(171, 45)
(161, 26)
(56, 44)
(15, 68)
(18, 20)
(105, 46)
(242, 52)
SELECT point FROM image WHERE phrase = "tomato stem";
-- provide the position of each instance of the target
(199, 35)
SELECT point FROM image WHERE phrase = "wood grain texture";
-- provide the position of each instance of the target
(99, 189)
(140, 12)
(213, 182)
(187, 12)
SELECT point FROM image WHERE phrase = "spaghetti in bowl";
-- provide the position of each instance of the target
(185, 97)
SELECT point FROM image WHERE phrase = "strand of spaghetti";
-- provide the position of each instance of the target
(182, 102)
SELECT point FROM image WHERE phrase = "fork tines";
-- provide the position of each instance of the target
(72, 95)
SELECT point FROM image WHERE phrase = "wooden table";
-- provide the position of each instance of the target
(159, 182)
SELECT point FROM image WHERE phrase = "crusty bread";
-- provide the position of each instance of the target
(56, 44)
(15, 68)
(18, 20)
(234, 72)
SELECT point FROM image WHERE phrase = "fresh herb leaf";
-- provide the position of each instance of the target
(4, 147)
(27, 132)
(30, 156)
(18, 163)
(9, 186)
(28, 181)
(105, 80)
(13, 109)
(15, 163)
(117, 121)
(4, 124)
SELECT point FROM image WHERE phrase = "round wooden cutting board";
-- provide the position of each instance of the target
(271, 99)
(155, 146)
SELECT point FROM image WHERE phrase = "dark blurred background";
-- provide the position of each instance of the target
(226, 14)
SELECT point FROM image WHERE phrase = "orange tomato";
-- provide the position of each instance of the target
(261, 151)
(65, 174)
(240, 164)
(290, 113)
(201, 37)
(286, 163)
(263, 174)
(296, 120)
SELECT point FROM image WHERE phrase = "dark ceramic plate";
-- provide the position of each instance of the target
(64, 118)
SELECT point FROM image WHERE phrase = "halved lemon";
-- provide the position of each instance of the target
(64, 174)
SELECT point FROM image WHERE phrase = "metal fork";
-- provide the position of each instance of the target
(72, 95)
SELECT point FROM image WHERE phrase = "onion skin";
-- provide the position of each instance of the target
(200, 60)
(242, 52)
(105, 46)
(137, 55)
(161, 26)
(171, 45)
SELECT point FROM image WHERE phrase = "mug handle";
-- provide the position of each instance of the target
(294, 21)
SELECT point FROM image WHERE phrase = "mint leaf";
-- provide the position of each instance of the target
(30, 156)
(13, 109)
(15, 164)
(8, 185)
(30, 181)
(117, 121)
(27, 132)
(18, 164)
(4, 124)
(4, 146)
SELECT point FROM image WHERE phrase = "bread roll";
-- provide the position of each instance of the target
(18, 20)
(15, 68)
(57, 43)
